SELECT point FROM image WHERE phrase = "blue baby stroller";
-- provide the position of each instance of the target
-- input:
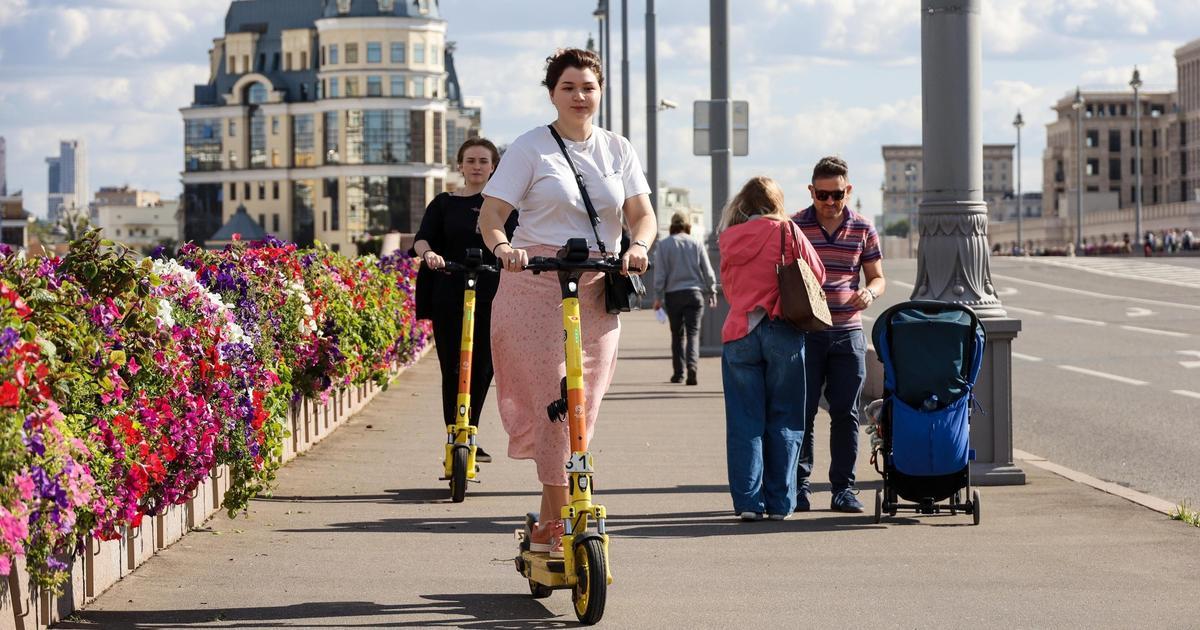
(931, 354)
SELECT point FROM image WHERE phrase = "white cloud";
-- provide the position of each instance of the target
(70, 31)
(12, 11)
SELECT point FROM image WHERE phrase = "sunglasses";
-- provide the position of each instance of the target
(823, 195)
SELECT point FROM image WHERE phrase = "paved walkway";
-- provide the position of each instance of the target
(360, 534)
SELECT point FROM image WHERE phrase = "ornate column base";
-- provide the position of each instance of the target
(952, 258)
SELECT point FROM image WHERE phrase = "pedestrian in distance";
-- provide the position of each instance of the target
(527, 342)
(449, 228)
(763, 355)
(836, 363)
(683, 282)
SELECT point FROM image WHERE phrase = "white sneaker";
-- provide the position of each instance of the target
(750, 516)
(779, 517)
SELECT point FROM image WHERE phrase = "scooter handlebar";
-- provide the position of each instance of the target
(454, 267)
(538, 264)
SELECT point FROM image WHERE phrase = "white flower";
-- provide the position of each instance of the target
(166, 316)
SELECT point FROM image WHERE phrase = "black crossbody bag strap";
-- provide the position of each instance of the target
(587, 201)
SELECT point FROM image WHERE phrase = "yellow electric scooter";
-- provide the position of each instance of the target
(459, 462)
(584, 567)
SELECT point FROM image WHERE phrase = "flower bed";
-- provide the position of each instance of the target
(124, 383)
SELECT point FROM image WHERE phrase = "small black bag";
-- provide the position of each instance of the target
(621, 293)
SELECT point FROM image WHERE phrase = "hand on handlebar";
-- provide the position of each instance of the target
(635, 261)
(432, 260)
(512, 259)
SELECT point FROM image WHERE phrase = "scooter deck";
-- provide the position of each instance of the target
(540, 567)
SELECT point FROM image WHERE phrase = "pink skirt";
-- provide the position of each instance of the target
(527, 353)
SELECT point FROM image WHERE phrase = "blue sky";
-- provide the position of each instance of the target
(822, 76)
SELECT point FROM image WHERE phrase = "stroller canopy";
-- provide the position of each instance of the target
(931, 351)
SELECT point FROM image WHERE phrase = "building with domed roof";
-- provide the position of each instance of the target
(325, 119)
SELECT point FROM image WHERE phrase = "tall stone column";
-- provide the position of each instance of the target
(953, 263)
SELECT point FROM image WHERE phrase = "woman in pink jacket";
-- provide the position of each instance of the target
(762, 360)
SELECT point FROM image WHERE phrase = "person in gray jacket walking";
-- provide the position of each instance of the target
(684, 282)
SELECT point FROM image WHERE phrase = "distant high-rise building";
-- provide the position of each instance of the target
(903, 180)
(67, 179)
(326, 119)
(3, 171)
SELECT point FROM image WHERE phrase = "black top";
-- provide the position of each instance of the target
(451, 226)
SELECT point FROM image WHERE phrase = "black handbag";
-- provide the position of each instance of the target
(621, 293)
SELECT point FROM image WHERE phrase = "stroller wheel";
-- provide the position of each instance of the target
(954, 503)
(975, 506)
(878, 506)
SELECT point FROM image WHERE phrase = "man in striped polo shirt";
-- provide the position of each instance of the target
(836, 359)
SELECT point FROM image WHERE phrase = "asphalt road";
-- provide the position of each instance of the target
(1106, 370)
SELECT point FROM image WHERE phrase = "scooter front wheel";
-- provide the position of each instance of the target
(539, 591)
(591, 587)
(458, 474)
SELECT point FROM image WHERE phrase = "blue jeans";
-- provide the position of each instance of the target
(836, 360)
(763, 375)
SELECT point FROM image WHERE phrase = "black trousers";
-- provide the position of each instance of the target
(447, 334)
(685, 309)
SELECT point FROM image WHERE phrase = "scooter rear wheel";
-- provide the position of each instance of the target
(591, 588)
(458, 474)
(539, 591)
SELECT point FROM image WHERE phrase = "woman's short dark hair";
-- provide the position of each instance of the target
(571, 58)
(830, 167)
(479, 142)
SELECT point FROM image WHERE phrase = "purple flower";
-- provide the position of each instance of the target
(8, 339)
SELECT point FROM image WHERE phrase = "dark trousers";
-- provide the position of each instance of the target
(836, 364)
(447, 334)
(685, 309)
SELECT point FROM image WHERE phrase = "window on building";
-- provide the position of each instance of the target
(433, 54)
(233, 192)
(287, 62)
(333, 88)
(1183, 165)
(275, 222)
(374, 86)
(232, 127)
(351, 87)
(303, 141)
(246, 191)
(303, 91)
(324, 49)
(398, 52)
(351, 53)
(1183, 134)
(232, 64)
(262, 221)
(1114, 168)
(262, 191)
(258, 139)
(262, 62)
(398, 85)
(418, 87)
(1114, 139)
(324, 221)
(1154, 193)
(202, 144)
(274, 125)
(374, 52)
(418, 52)
(1093, 166)
(1092, 138)
(256, 94)
(275, 158)
(1153, 137)
(304, 60)
(232, 160)
(275, 62)
(333, 54)
(274, 190)
(332, 155)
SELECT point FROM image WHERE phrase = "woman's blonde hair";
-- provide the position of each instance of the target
(760, 196)
(680, 223)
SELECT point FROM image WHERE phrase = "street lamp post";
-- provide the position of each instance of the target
(601, 15)
(1019, 122)
(651, 105)
(1136, 84)
(909, 171)
(1077, 105)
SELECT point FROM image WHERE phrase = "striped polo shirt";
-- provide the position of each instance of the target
(843, 252)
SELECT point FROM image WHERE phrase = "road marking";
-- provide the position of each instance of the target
(1137, 311)
(1113, 377)
(868, 318)
(1152, 331)
(1131, 269)
(1078, 320)
(1027, 311)
(1006, 291)
(1184, 392)
(902, 284)
(1189, 353)
(1108, 296)
(1026, 357)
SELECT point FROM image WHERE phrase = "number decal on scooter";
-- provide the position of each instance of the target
(580, 463)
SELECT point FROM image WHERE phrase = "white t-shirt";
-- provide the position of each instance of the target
(534, 176)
